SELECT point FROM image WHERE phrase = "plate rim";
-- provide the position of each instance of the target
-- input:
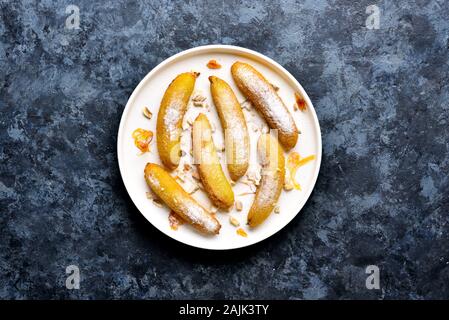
(227, 49)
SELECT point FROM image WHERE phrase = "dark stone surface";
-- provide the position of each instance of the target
(381, 197)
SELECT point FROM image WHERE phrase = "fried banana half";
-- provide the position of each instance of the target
(272, 159)
(205, 157)
(178, 200)
(234, 127)
(265, 99)
(169, 119)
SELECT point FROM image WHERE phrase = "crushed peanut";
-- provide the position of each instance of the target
(238, 205)
(277, 209)
(288, 186)
(199, 100)
(147, 113)
(198, 97)
(234, 221)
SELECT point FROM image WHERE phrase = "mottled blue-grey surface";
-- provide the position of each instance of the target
(381, 198)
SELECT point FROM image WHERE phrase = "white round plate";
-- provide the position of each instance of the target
(149, 93)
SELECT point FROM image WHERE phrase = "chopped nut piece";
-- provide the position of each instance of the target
(187, 167)
(241, 232)
(234, 221)
(147, 113)
(277, 209)
(288, 186)
(198, 98)
(238, 205)
(213, 64)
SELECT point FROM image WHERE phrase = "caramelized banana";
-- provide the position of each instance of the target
(174, 196)
(272, 160)
(266, 100)
(169, 119)
(209, 168)
(234, 126)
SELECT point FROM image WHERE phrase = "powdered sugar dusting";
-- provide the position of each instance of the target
(266, 100)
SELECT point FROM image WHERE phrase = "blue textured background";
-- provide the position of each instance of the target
(381, 197)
